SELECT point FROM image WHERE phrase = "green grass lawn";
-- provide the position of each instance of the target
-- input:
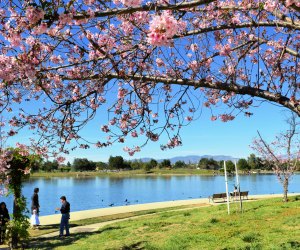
(268, 224)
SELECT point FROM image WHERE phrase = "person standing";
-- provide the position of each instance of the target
(34, 219)
(65, 216)
(4, 218)
(35, 205)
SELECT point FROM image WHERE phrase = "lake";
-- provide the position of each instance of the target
(98, 192)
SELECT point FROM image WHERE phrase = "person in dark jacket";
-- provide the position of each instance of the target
(35, 205)
(4, 218)
(65, 216)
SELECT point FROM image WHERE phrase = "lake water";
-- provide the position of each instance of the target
(99, 192)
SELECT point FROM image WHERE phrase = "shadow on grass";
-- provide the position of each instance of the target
(53, 242)
(45, 229)
(136, 246)
(108, 229)
(54, 226)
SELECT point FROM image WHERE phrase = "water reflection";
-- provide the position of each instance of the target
(98, 192)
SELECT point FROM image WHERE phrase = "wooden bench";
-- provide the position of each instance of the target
(218, 196)
(244, 195)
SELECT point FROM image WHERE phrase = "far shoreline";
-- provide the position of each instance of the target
(142, 173)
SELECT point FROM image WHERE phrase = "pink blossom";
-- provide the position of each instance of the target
(105, 129)
(122, 92)
(193, 65)
(42, 28)
(226, 117)
(60, 159)
(30, 40)
(270, 5)
(162, 28)
(194, 47)
(131, 3)
(33, 14)
(152, 136)
(133, 123)
(225, 50)
(113, 121)
(159, 62)
(134, 134)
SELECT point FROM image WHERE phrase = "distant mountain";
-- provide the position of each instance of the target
(193, 158)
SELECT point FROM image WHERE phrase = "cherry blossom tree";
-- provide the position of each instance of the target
(283, 153)
(149, 67)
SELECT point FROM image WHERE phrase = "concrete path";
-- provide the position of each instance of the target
(55, 219)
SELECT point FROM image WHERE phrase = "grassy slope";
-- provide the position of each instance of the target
(268, 224)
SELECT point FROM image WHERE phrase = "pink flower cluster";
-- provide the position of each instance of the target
(291, 2)
(132, 151)
(131, 3)
(8, 69)
(226, 117)
(34, 15)
(162, 28)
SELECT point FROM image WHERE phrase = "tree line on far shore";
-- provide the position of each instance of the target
(119, 163)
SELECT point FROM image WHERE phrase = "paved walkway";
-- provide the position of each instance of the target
(55, 219)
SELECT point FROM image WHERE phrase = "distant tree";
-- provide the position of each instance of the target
(116, 162)
(254, 162)
(83, 164)
(50, 166)
(101, 165)
(127, 165)
(137, 164)
(179, 164)
(206, 163)
(165, 164)
(230, 167)
(147, 166)
(153, 163)
(203, 163)
(242, 164)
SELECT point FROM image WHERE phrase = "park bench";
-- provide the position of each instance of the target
(218, 196)
(244, 195)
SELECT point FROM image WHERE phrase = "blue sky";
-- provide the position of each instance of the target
(203, 137)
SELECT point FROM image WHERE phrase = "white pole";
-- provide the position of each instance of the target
(238, 186)
(226, 184)
(236, 175)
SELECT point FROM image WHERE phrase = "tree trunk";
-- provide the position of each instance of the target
(16, 211)
(285, 189)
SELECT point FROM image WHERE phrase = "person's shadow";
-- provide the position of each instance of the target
(55, 241)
